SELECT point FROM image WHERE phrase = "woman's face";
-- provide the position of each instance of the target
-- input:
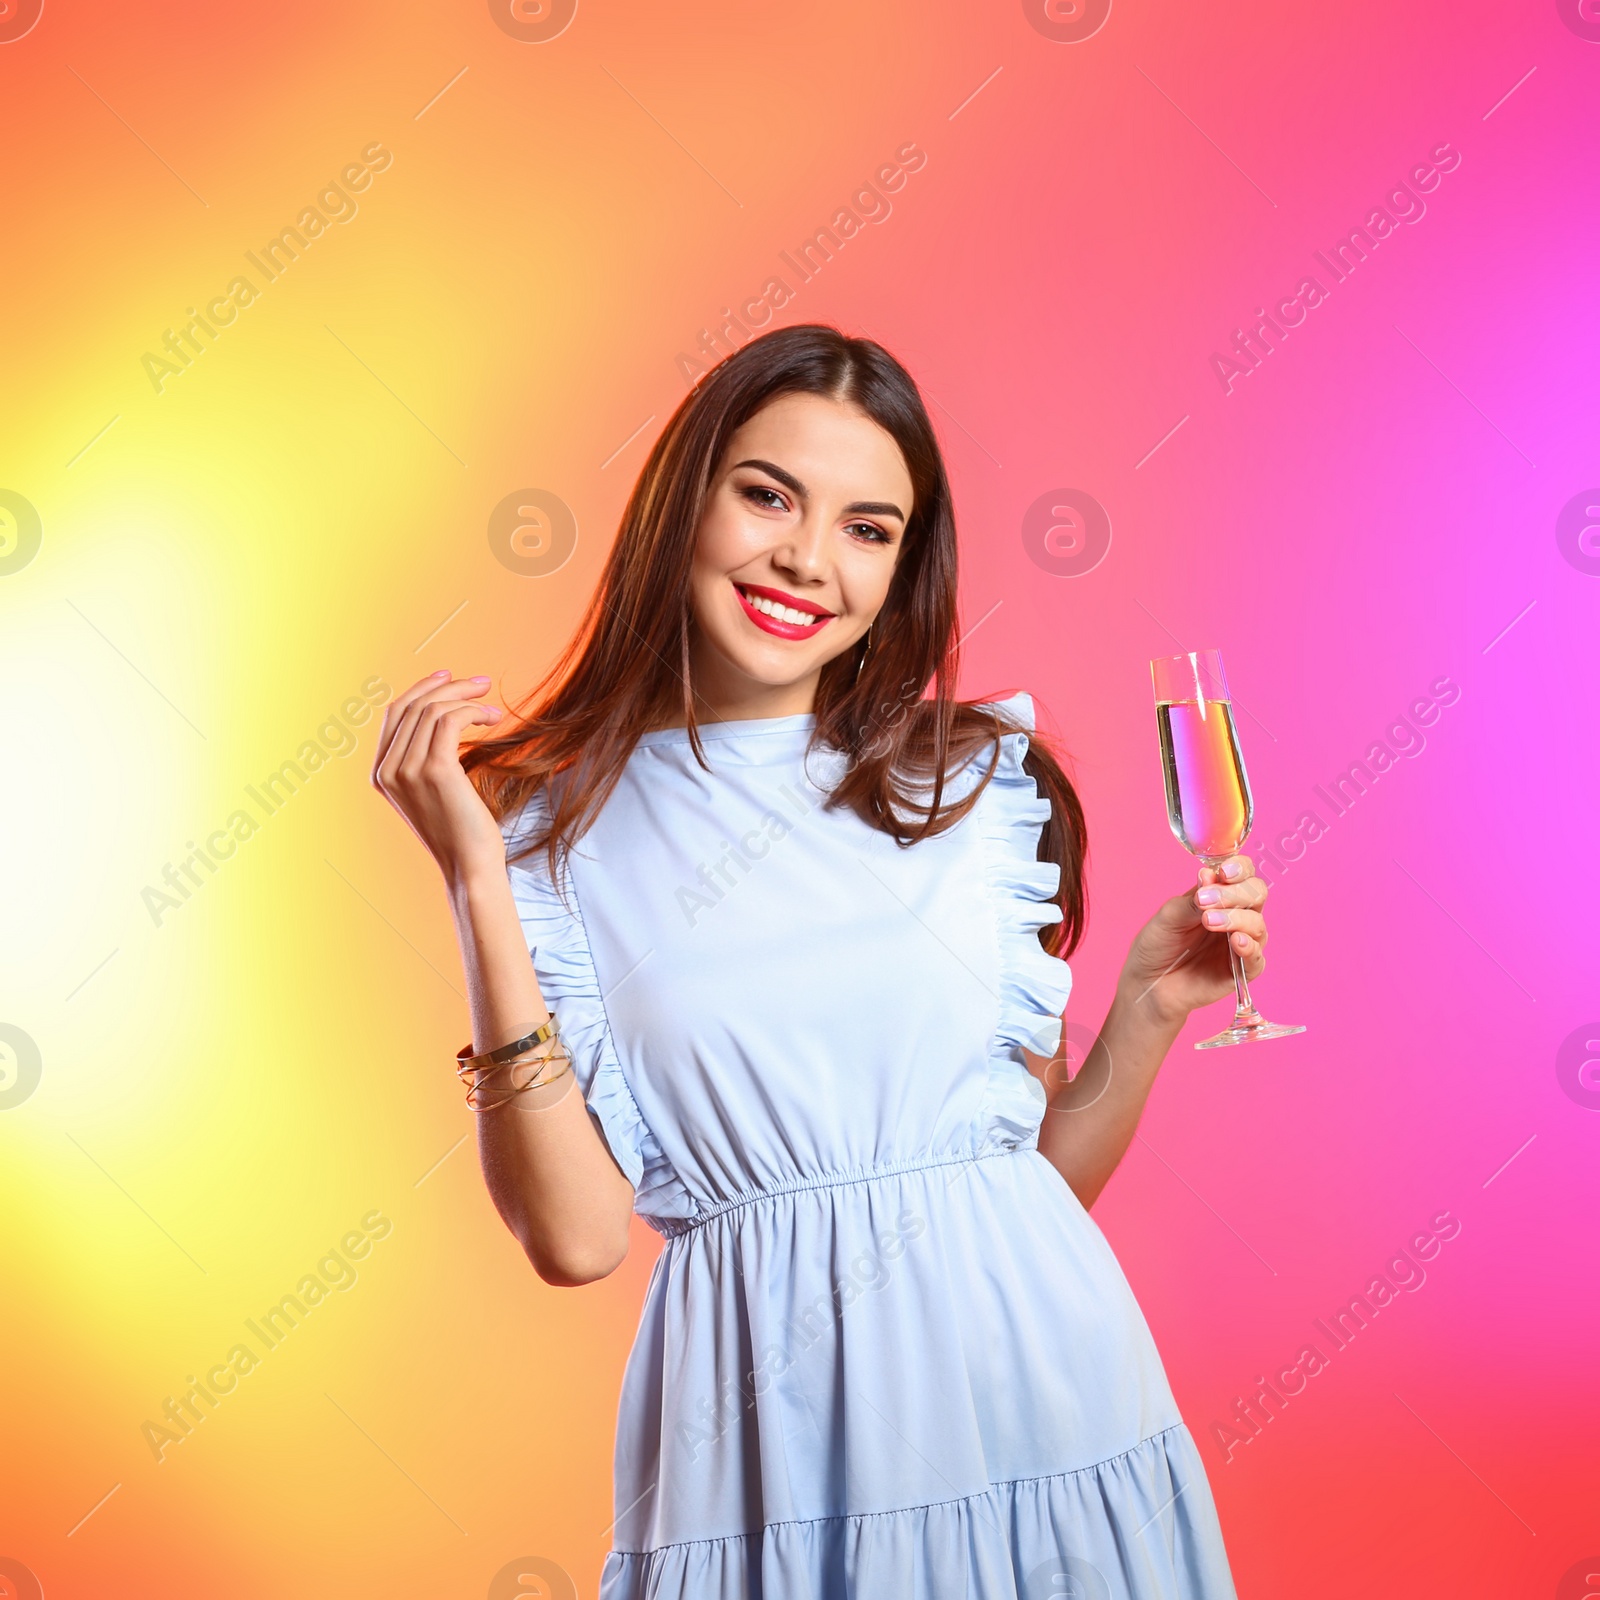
(801, 534)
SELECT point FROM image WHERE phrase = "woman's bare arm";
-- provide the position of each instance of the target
(547, 1168)
(1090, 1121)
(1178, 961)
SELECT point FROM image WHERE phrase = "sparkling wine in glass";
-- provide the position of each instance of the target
(1208, 796)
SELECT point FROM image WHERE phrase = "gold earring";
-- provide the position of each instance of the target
(866, 645)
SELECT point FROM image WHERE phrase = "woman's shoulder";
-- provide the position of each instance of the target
(527, 818)
(1015, 711)
(994, 732)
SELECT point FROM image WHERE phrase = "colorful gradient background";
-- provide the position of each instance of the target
(222, 1096)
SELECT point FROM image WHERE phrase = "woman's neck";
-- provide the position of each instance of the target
(722, 694)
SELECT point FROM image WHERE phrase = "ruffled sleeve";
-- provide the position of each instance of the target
(1033, 985)
(552, 924)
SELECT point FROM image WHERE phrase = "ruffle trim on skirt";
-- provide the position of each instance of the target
(1139, 1526)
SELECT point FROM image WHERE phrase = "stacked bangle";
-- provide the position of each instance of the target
(474, 1070)
(507, 1052)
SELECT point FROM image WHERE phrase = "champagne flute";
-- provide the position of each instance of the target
(1208, 796)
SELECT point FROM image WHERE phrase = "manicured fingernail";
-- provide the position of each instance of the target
(480, 680)
(443, 672)
(1215, 919)
(1208, 897)
(1232, 869)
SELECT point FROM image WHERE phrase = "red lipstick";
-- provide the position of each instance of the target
(777, 625)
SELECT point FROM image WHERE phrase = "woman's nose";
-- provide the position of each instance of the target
(804, 551)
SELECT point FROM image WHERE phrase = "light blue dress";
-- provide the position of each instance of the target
(885, 1352)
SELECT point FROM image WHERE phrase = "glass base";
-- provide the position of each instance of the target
(1247, 1027)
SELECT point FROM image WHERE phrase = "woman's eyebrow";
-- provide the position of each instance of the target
(787, 479)
(868, 508)
(875, 508)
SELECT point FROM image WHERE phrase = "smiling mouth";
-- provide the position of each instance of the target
(783, 615)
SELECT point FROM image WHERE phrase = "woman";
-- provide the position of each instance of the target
(800, 918)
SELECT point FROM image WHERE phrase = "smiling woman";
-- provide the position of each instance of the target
(795, 565)
(835, 1063)
(804, 472)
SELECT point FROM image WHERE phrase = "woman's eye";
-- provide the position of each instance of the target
(870, 531)
(773, 501)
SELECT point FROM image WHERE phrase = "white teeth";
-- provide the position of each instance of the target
(783, 613)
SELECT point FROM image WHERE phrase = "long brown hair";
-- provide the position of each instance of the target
(626, 669)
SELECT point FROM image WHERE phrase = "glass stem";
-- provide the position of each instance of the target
(1245, 1012)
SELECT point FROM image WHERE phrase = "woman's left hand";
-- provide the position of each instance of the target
(1179, 959)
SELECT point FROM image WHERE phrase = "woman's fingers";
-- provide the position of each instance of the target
(449, 723)
(1251, 892)
(1229, 902)
(394, 712)
(434, 679)
(1236, 922)
(1251, 956)
(404, 713)
(420, 746)
(393, 765)
(1234, 870)
(422, 691)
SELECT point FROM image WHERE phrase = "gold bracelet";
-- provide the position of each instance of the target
(508, 1052)
(557, 1051)
(479, 1104)
(560, 1053)
(511, 1094)
(510, 1055)
(555, 1046)
(492, 1076)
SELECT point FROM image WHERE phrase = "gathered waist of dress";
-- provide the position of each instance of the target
(672, 1227)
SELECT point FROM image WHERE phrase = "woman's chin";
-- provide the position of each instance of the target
(780, 675)
(767, 669)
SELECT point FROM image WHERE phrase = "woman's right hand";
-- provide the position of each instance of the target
(418, 770)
